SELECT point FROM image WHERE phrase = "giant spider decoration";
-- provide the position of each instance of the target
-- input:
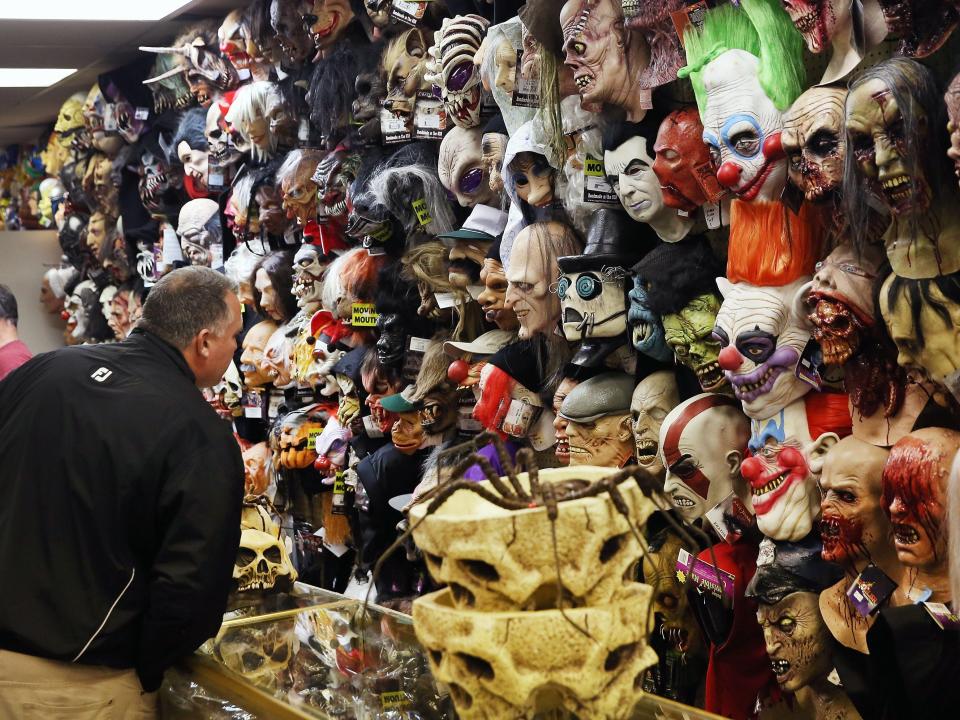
(510, 494)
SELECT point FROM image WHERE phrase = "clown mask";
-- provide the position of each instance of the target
(507, 407)
(653, 399)
(762, 334)
(689, 334)
(742, 128)
(461, 168)
(814, 142)
(783, 472)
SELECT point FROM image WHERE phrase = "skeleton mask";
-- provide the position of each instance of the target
(647, 332)
(225, 397)
(742, 128)
(798, 641)
(461, 168)
(492, 299)
(251, 360)
(841, 300)
(702, 443)
(310, 267)
(493, 145)
(922, 26)
(457, 78)
(262, 561)
(200, 234)
(689, 334)
(261, 654)
(762, 335)
(158, 183)
(593, 303)
(783, 472)
(219, 147)
(295, 43)
(404, 65)
(327, 21)
(532, 265)
(605, 58)
(653, 399)
(814, 142)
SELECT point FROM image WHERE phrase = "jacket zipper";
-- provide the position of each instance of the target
(93, 637)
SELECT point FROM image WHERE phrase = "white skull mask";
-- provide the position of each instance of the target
(259, 653)
(654, 397)
(309, 268)
(263, 562)
(454, 73)
(762, 332)
(220, 149)
(228, 391)
(593, 303)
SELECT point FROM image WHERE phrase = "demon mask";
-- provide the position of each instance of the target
(326, 20)
(647, 332)
(456, 77)
(292, 36)
(814, 142)
(201, 237)
(299, 192)
(652, 400)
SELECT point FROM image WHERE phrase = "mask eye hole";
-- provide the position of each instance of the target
(460, 76)
(470, 180)
(588, 286)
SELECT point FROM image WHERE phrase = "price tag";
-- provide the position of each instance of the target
(409, 12)
(711, 213)
(445, 299)
(423, 212)
(429, 117)
(808, 366)
(707, 578)
(418, 344)
(141, 113)
(364, 315)
(526, 88)
(943, 616)
(394, 129)
(596, 189)
(869, 590)
(339, 495)
(396, 700)
(276, 400)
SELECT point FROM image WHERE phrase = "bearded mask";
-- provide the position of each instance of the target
(762, 334)
(784, 468)
(651, 401)
(457, 78)
(683, 165)
(814, 142)
(689, 334)
(404, 65)
(461, 168)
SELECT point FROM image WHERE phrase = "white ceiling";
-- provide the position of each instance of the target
(92, 47)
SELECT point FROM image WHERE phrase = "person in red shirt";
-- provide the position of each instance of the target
(13, 353)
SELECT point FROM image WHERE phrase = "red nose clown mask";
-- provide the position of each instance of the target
(787, 455)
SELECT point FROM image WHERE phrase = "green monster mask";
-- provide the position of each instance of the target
(689, 333)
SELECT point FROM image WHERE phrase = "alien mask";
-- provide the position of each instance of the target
(461, 168)
(457, 78)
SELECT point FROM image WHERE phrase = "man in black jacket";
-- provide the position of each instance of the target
(121, 513)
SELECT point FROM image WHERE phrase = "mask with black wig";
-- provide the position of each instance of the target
(189, 148)
(333, 89)
(72, 241)
(396, 303)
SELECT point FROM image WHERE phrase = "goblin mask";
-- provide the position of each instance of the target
(461, 168)
(689, 333)
(593, 303)
(798, 641)
(404, 64)
(292, 36)
(457, 78)
(762, 334)
(683, 165)
(814, 142)
(653, 399)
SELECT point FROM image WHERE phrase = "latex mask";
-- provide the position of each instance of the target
(332, 447)
(505, 63)
(299, 192)
(327, 20)
(533, 179)
(683, 165)
(201, 237)
(464, 261)
(95, 108)
(598, 421)
(493, 145)
(506, 406)
(270, 211)
(269, 300)
(652, 400)
(689, 334)
(456, 77)
(251, 359)
(653, 22)
(99, 230)
(392, 337)
(562, 447)
(797, 640)
(762, 334)
(404, 66)
(100, 183)
(461, 168)
(295, 43)
(438, 411)
(223, 147)
(278, 360)
(309, 269)
(915, 499)
(248, 116)
(647, 334)
(494, 293)
(407, 433)
(783, 470)
(813, 139)
(703, 441)
(841, 300)
(159, 184)
(923, 27)
(195, 165)
(593, 301)
(333, 175)
(603, 55)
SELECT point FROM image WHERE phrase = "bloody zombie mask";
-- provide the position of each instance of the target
(814, 142)
(652, 400)
(292, 36)
(599, 421)
(741, 126)
(251, 359)
(456, 77)
(853, 525)
(299, 192)
(841, 300)
(798, 642)
(689, 334)
(914, 498)
(702, 444)
(605, 58)
(326, 20)
(653, 22)
(762, 333)
(952, 99)
(647, 334)
(562, 448)
(494, 293)
(819, 20)
(461, 168)
(683, 165)
(923, 27)
(783, 469)
(200, 234)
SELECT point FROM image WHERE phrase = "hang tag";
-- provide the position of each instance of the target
(171, 247)
(706, 176)
(409, 12)
(646, 97)
(273, 405)
(364, 315)
(808, 366)
(729, 517)
(244, 74)
(526, 89)
(339, 495)
(394, 129)
(303, 130)
(943, 616)
(414, 358)
(694, 15)
(371, 427)
(596, 189)
(252, 401)
(711, 213)
(429, 117)
(396, 700)
(110, 118)
(423, 212)
(519, 417)
(141, 113)
(445, 299)
(704, 576)
(466, 401)
(418, 344)
(869, 590)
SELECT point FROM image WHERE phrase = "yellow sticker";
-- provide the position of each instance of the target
(364, 315)
(423, 212)
(312, 435)
(593, 167)
(396, 700)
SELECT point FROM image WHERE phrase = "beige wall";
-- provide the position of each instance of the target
(24, 258)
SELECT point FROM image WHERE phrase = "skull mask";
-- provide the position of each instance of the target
(220, 150)
(653, 399)
(310, 267)
(593, 303)
(814, 142)
(457, 78)
(259, 653)
(818, 20)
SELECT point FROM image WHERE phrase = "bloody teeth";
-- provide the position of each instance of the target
(905, 534)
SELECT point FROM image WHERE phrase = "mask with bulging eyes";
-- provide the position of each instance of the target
(813, 140)
(461, 168)
(455, 76)
(593, 303)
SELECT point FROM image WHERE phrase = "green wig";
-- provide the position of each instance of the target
(759, 27)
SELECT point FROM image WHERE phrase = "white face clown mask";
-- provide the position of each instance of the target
(783, 471)
(702, 443)
(762, 332)
(742, 128)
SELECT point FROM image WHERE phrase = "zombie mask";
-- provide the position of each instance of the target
(461, 168)
(251, 359)
(652, 400)
(923, 27)
(689, 334)
(332, 448)
(647, 332)
(95, 110)
(702, 444)
(762, 334)
(562, 448)
(841, 300)
(200, 235)
(158, 183)
(292, 36)
(299, 192)
(597, 412)
(456, 77)
(814, 141)
(914, 498)
(853, 525)
(605, 58)
(819, 20)
(784, 468)
(533, 264)
(404, 65)
(100, 183)
(327, 20)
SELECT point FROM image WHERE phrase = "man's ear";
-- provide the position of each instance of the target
(202, 343)
(734, 459)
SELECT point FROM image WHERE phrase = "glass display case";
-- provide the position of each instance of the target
(315, 654)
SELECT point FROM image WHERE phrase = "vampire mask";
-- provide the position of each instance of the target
(814, 142)
(652, 400)
(455, 76)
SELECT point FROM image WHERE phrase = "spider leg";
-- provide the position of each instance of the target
(526, 456)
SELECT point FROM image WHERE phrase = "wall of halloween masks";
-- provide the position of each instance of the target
(718, 243)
